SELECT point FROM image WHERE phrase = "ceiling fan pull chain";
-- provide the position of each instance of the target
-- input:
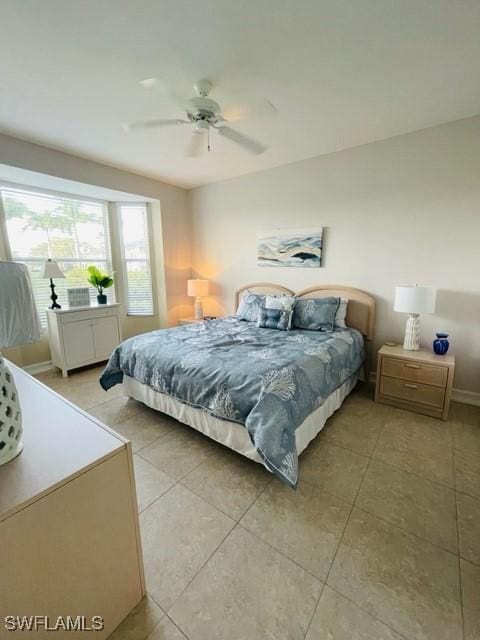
(208, 140)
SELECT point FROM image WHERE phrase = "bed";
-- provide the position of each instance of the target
(261, 392)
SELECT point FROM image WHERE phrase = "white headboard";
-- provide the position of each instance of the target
(360, 308)
(262, 287)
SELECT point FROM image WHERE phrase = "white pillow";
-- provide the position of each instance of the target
(285, 303)
(341, 313)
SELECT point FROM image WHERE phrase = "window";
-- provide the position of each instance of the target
(72, 231)
(134, 240)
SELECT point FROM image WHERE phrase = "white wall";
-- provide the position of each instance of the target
(398, 211)
(171, 226)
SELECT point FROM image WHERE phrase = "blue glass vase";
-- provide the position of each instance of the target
(441, 344)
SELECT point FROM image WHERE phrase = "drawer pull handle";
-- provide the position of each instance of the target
(413, 366)
(410, 386)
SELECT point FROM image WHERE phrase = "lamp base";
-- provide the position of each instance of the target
(53, 297)
(412, 333)
(198, 309)
(10, 416)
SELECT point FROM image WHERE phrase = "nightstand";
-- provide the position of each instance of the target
(416, 380)
(184, 321)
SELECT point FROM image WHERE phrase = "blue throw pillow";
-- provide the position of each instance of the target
(316, 314)
(274, 319)
(249, 306)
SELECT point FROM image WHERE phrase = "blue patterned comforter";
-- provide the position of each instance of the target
(265, 379)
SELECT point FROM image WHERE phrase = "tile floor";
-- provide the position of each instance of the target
(381, 541)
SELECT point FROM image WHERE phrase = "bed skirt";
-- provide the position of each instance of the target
(232, 434)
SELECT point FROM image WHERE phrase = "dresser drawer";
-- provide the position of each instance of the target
(415, 371)
(412, 392)
(87, 314)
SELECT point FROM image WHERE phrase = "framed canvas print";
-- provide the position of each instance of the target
(290, 247)
(78, 297)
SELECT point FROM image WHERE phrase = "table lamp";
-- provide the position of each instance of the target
(52, 270)
(19, 324)
(414, 300)
(197, 289)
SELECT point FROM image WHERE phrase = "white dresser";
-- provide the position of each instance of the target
(69, 530)
(82, 336)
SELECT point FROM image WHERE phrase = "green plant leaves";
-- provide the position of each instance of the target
(106, 282)
(98, 279)
(93, 271)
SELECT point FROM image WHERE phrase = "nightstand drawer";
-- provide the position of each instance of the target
(412, 392)
(415, 371)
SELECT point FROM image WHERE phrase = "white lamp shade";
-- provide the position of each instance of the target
(197, 288)
(19, 321)
(52, 270)
(415, 299)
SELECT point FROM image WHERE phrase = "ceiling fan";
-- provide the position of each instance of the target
(205, 114)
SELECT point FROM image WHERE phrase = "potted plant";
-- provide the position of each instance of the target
(100, 281)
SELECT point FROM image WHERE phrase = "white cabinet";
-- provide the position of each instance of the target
(83, 336)
(69, 530)
(105, 336)
(77, 343)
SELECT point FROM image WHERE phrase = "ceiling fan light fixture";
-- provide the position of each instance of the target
(201, 127)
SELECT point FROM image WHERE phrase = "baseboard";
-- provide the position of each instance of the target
(38, 367)
(466, 397)
(459, 395)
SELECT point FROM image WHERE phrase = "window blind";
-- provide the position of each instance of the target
(74, 232)
(134, 239)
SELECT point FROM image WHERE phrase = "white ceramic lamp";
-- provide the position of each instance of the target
(19, 324)
(414, 300)
(198, 289)
(52, 270)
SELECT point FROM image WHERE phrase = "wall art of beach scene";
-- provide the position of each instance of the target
(290, 248)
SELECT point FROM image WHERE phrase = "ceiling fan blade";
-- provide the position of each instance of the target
(151, 124)
(242, 140)
(175, 89)
(196, 145)
(241, 111)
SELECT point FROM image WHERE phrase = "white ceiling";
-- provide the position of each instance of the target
(340, 72)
